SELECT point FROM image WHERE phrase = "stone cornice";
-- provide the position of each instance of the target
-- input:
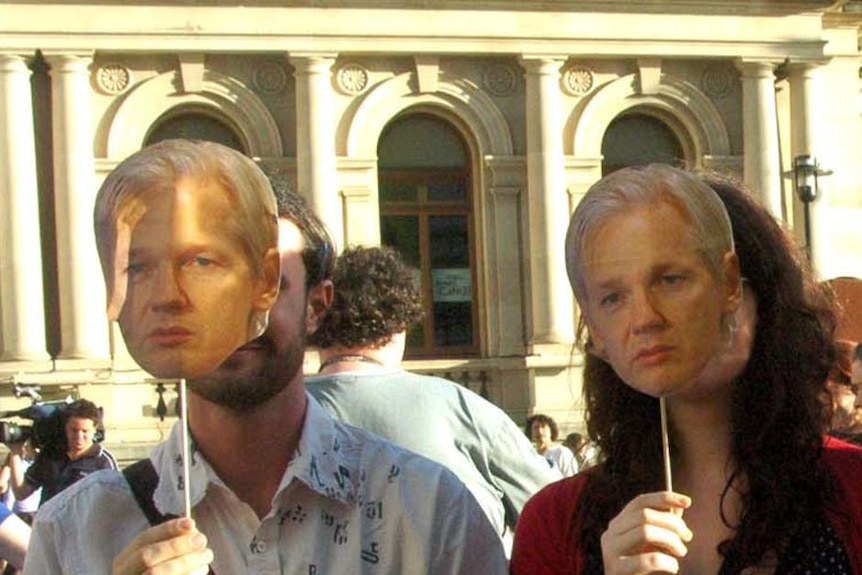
(247, 29)
(735, 7)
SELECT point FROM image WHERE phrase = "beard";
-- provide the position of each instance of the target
(242, 384)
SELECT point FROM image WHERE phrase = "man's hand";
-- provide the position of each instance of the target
(175, 547)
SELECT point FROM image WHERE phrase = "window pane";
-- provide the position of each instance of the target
(442, 191)
(397, 191)
(453, 324)
(196, 126)
(452, 281)
(637, 140)
(450, 242)
(402, 233)
(421, 140)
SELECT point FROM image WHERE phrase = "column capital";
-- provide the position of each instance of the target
(14, 62)
(24, 56)
(803, 68)
(52, 56)
(542, 63)
(757, 67)
(310, 59)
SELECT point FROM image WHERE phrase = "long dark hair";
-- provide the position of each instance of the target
(778, 416)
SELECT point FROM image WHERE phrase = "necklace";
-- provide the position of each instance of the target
(347, 358)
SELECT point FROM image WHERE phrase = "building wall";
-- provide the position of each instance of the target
(309, 89)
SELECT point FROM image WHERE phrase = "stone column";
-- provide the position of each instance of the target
(804, 138)
(83, 323)
(21, 287)
(762, 165)
(551, 305)
(316, 175)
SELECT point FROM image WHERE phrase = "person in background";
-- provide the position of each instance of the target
(26, 508)
(585, 450)
(275, 484)
(14, 537)
(846, 420)
(543, 431)
(751, 493)
(56, 468)
(361, 343)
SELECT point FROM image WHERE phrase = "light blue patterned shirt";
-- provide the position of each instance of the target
(349, 503)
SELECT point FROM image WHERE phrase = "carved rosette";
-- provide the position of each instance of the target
(577, 80)
(718, 80)
(113, 78)
(352, 78)
(500, 79)
(269, 78)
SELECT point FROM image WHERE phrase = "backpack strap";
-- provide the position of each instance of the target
(142, 478)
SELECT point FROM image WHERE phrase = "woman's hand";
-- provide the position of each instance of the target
(175, 547)
(649, 535)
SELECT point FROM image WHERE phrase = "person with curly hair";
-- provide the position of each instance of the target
(361, 343)
(726, 324)
(545, 435)
(375, 302)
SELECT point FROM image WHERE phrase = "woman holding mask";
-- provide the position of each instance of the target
(756, 486)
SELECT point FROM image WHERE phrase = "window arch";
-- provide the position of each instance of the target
(426, 213)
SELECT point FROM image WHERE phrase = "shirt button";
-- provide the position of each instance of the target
(258, 547)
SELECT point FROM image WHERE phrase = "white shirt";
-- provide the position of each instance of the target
(563, 458)
(349, 503)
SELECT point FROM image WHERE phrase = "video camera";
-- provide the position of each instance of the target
(46, 431)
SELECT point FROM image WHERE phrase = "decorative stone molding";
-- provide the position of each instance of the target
(113, 78)
(269, 78)
(500, 79)
(352, 78)
(226, 96)
(718, 80)
(577, 80)
(461, 97)
(690, 106)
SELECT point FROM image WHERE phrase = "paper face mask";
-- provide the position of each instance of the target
(188, 285)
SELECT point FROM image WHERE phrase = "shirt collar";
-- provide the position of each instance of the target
(321, 461)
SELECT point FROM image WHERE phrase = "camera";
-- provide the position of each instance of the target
(45, 431)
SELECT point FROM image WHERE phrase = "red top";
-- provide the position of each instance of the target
(547, 527)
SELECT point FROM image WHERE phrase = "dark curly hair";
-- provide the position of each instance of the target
(318, 251)
(375, 298)
(542, 419)
(82, 409)
(778, 416)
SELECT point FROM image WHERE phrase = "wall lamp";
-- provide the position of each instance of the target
(806, 171)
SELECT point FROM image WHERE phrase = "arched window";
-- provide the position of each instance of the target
(195, 125)
(637, 139)
(426, 213)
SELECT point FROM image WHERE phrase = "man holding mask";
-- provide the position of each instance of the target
(275, 485)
